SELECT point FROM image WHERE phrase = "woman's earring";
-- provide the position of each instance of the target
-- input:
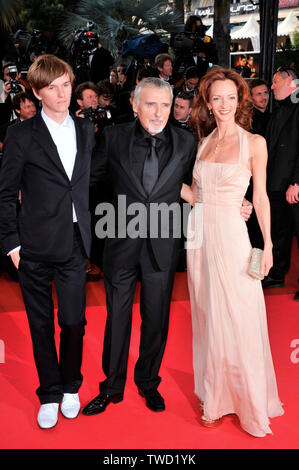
(210, 112)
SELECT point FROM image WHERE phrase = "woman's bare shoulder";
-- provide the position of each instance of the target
(256, 139)
(257, 143)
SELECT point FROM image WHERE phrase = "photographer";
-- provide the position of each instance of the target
(189, 83)
(108, 110)
(23, 105)
(193, 47)
(163, 64)
(13, 84)
(95, 105)
(181, 111)
(101, 63)
(90, 60)
(87, 96)
(123, 94)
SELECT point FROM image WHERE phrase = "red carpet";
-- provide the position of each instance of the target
(129, 424)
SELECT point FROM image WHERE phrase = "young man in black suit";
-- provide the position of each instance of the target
(48, 158)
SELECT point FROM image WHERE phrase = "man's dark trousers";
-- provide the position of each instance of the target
(56, 375)
(155, 298)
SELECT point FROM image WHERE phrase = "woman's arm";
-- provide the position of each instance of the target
(189, 193)
(260, 199)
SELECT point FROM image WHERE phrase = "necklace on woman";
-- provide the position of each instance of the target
(218, 145)
(220, 141)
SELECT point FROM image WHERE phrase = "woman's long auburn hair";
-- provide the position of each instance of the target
(201, 118)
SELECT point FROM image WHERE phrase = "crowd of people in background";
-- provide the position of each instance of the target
(160, 132)
(106, 99)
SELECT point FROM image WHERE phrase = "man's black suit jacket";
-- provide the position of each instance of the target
(113, 157)
(282, 137)
(44, 226)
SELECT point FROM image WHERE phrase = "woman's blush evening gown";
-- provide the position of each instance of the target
(233, 368)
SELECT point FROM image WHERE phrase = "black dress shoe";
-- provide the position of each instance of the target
(296, 296)
(271, 282)
(154, 401)
(99, 403)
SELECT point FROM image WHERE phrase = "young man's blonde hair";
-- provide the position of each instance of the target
(45, 69)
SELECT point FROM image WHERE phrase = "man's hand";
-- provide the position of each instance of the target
(246, 209)
(5, 91)
(292, 194)
(78, 113)
(15, 257)
(7, 88)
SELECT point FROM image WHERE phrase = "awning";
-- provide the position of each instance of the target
(251, 30)
(209, 31)
(288, 26)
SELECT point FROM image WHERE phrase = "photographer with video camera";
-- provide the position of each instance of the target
(28, 46)
(193, 47)
(90, 60)
(13, 84)
(100, 64)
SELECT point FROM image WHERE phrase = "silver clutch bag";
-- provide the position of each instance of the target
(254, 269)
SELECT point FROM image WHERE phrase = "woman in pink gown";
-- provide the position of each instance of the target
(233, 368)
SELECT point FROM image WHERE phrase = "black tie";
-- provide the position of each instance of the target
(151, 167)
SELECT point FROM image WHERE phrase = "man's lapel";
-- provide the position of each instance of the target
(171, 166)
(128, 137)
(274, 133)
(80, 148)
(42, 135)
(128, 134)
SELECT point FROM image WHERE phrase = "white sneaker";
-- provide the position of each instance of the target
(70, 405)
(48, 415)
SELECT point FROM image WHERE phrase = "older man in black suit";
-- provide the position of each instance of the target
(283, 172)
(48, 158)
(147, 161)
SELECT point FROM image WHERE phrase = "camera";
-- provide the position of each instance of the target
(95, 115)
(29, 45)
(14, 83)
(84, 44)
(190, 42)
(85, 41)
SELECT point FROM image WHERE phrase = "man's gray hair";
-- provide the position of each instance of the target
(151, 82)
